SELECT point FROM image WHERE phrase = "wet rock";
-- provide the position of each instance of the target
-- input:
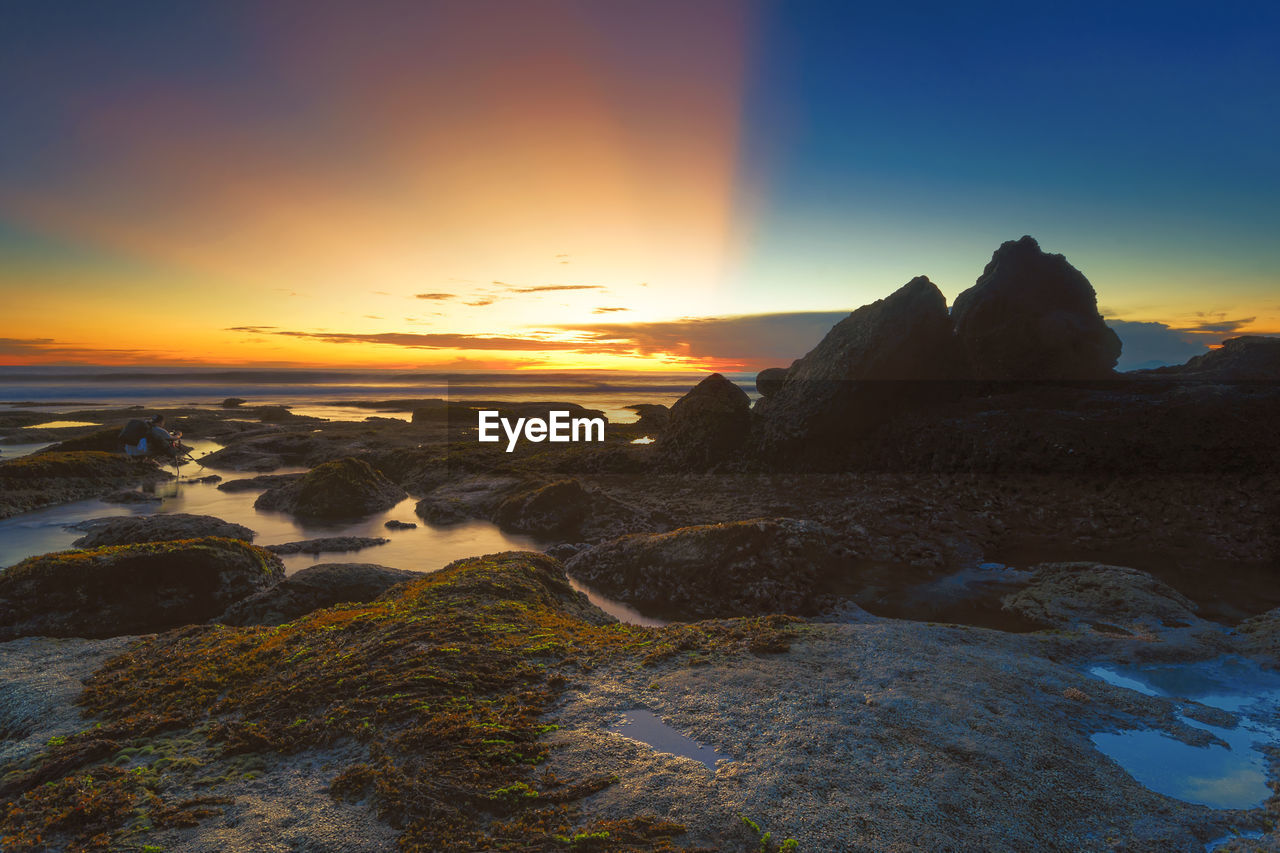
(565, 509)
(45, 479)
(259, 483)
(313, 588)
(879, 358)
(1261, 635)
(707, 426)
(131, 589)
(208, 478)
(1033, 316)
(459, 500)
(548, 510)
(652, 417)
(396, 524)
(106, 440)
(274, 414)
(565, 550)
(340, 489)
(774, 565)
(264, 452)
(131, 530)
(233, 402)
(769, 381)
(1105, 599)
(1250, 358)
(327, 544)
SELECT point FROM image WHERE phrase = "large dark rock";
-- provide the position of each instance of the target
(707, 426)
(131, 589)
(1250, 358)
(564, 509)
(769, 381)
(651, 417)
(131, 530)
(1261, 635)
(880, 357)
(1033, 316)
(107, 440)
(313, 588)
(343, 488)
(44, 479)
(777, 565)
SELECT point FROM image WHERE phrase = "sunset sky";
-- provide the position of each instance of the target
(615, 184)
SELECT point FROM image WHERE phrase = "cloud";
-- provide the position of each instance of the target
(1155, 344)
(51, 350)
(753, 340)
(480, 302)
(434, 296)
(549, 288)
(1216, 324)
(609, 310)
(255, 330)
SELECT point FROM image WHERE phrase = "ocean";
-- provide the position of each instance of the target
(323, 393)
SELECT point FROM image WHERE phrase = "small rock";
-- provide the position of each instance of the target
(395, 524)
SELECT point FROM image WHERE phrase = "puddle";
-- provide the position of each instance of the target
(618, 610)
(644, 439)
(1223, 777)
(641, 724)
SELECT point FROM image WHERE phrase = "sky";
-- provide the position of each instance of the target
(649, 185)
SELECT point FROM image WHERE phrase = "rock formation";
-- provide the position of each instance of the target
(1033, 316)
(131, 589)
(343, 488)
(707, 426)
(132, 530)
(313, 588)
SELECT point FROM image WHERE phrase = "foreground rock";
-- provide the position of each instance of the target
(874, 359)
(707, 426)
(1033, 316)
(313, 588)
(131, 589)
(328, 544)
(45, 479)
(130, 530)
(1261, 635)
(777, 565)
(343, 488)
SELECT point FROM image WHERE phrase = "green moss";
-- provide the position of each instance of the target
(447, 685)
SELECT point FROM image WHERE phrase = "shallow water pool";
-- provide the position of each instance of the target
(1232, 774)
(643, 725)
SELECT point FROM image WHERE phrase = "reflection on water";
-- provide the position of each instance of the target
(647, 727)
(1233, 776)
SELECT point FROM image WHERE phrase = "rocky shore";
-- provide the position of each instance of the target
(888, 582)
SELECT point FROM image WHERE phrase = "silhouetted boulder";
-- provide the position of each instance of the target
(1249, 358)
(766, 565)
(313, 588)
(131, 530)
(877, 358)
(653, 417)
(769, 381)
(233, 402)
(1033, 316)
(708, 425)
(130, 589)
(343, 488)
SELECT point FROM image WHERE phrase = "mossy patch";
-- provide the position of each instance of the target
(446, 685)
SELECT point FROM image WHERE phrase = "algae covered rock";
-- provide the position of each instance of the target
(555, 508)
(313, 588)
(707, 426)
(1033, 316)
(343, 488)
(764, 565)
(129, 530)
(131, 589)
(44, 479)
(1110, 599)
